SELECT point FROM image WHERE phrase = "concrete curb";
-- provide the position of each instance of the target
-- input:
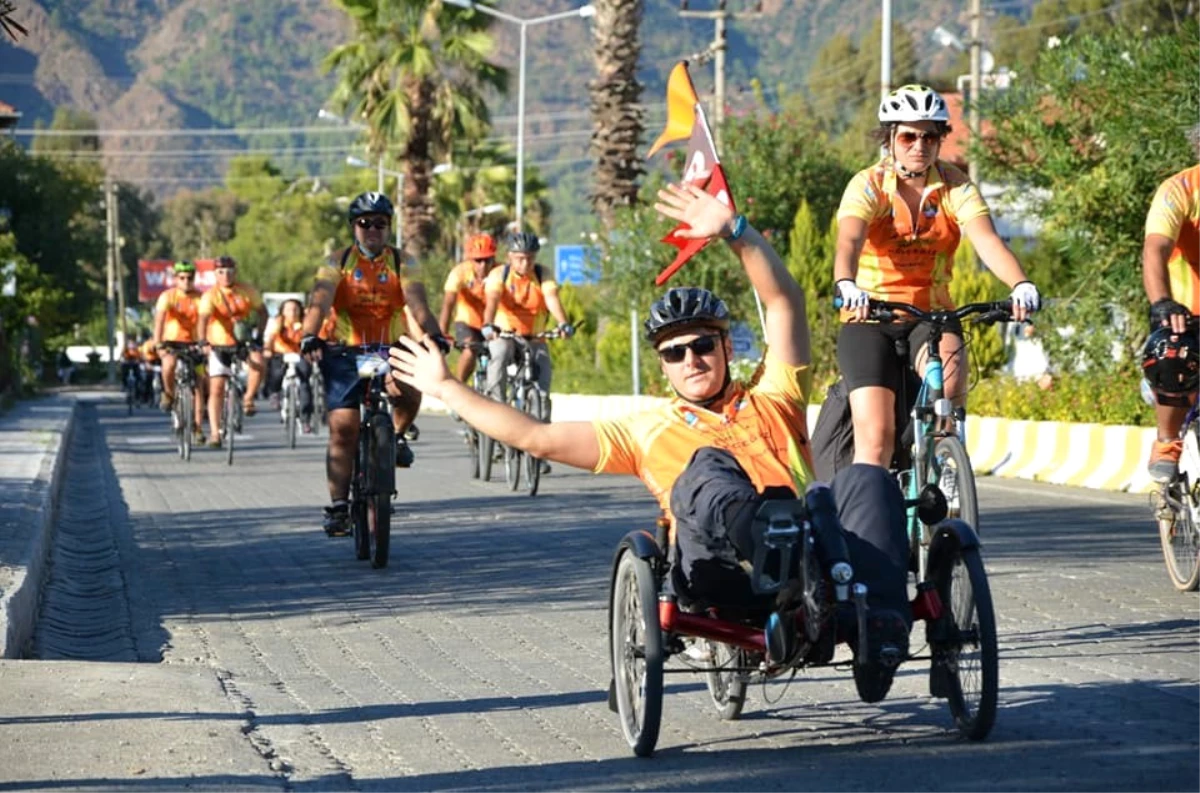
(1095, 456)
(32, 532)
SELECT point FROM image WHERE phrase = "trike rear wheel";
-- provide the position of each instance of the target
(726, 684)
(637, 652)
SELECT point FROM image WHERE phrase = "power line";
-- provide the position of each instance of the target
(187, 154)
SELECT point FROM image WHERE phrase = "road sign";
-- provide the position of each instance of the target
(745, 342)
(576, 264)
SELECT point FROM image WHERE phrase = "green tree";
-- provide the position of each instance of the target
(415, 73)
(616, 112)
(199, 224)
(834, 76)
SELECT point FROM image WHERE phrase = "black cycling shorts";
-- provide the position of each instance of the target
(868, 356)
(465, 334)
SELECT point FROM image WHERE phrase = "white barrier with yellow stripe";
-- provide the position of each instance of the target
(1097, 456)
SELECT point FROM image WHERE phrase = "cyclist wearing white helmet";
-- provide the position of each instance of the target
(899, 224)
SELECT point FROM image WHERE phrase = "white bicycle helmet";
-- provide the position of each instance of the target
(913, 103)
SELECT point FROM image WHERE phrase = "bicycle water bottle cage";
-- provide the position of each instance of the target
(776, 532)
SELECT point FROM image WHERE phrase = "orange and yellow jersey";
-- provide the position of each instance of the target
(282, 338)
(225, 306)
(467, 288)
(1175, 214)
(131, 354)
(369, 295)
(328, 331)
(182, 312)
(765, 428)
(522, 306)
(907, 259)
(147, 351)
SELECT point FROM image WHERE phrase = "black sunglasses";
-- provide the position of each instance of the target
(377, 223)
(701, 345)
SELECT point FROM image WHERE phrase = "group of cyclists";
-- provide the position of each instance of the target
(717, 450)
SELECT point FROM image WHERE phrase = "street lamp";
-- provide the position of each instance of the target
(486, 209)
(584, 12)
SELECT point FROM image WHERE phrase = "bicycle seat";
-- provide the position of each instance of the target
(776, 531)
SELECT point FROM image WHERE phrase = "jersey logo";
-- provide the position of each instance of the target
(383, 277)
(930, 211)
(357, 275)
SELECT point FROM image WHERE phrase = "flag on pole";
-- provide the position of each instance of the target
(686, 120)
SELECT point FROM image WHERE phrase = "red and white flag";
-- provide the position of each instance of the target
(686, 119)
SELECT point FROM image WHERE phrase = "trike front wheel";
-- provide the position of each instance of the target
(637, 652)
(726, 683)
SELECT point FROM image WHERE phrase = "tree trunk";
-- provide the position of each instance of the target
(616, 114)
(419, 222)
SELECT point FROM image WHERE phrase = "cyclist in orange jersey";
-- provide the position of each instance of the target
(1171, 276)
(225, 310)
(176, 317)
(464, 298)
(520, 297)
(282, 337)
(373, 290)
(716, 451)
(899, 224)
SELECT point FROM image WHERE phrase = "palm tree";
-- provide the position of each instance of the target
(415, 74)
(616, 114)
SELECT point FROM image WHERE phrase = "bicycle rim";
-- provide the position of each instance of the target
(533, 465)
(230, 422)
(289, 418)
(1180, 541)
(951, 471)
(970, 652)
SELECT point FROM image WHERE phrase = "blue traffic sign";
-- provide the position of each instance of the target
(576, 264)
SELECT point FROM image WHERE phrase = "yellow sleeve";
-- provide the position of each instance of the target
(206, 304)
(494, 284)
(163, 303)
(966, 203)
(549, 286)
(1168, 210)
(863, 199)
(793, 383)
(618, 449)
(453, 282)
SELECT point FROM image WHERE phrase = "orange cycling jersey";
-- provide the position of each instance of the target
(148, 353)
(908, 259)
(369, 296)
(467, 288)
(1175, 214)
(224, 307)
(765, 428)
(285, 338)
(182, 311)
(522, 298)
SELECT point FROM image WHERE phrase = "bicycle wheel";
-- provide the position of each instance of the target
(533, 465)
(635, 641)
(726, 686)
(472, 437)
(1180, 537)
(129, 389)
(963, 642)
(487, 448)
(184, 418)
(229, 422)
(952, 472)
(380, 485)
(316, 384)
(289, 413)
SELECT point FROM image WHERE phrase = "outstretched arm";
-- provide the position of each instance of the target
(782, 297)
(570, 442)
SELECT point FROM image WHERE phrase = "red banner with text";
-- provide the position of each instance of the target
(156, 276)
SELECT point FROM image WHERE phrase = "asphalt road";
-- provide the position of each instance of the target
(247, 650)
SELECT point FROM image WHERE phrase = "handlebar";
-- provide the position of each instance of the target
(544, 335)
(885, 311)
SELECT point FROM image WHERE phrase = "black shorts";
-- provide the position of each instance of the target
(465, 334)
(868, 355)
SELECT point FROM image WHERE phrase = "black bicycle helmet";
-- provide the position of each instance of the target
(371, 203)
(1170, 363)
(683, 306)
(524, 242)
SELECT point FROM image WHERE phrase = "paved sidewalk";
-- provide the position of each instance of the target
(32, 434)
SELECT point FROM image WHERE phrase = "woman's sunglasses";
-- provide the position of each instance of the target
(701, 345)
(368, 223)
(907, 138)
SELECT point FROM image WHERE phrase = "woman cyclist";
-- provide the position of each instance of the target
(899, 225)
(283, 335)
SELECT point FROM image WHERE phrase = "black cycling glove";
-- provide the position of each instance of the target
(1161, 312)
(311, 343)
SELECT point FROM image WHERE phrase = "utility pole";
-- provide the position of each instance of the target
(716, 52)
(110, 213)
(118, 264)
(885, 51)
(976, 87)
